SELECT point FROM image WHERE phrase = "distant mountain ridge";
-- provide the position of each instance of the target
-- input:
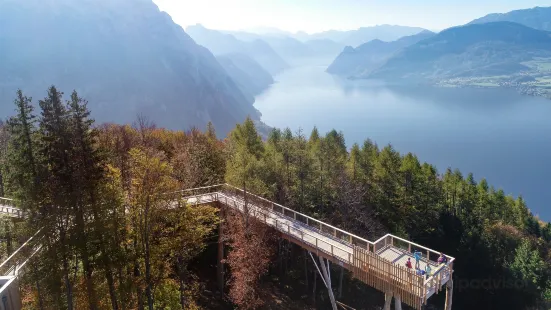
(537, 18)
(366, 57)
(125, 56)
(497, 48)
(363, 35)
(220, 43)
(292, 50)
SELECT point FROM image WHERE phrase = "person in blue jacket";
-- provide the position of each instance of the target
(417, 256)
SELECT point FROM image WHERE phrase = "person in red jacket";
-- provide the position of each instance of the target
(408, 263)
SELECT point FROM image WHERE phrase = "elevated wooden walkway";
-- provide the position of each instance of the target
(380, 264)
(7, 207)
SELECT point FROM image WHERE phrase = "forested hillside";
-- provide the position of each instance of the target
(112, 241)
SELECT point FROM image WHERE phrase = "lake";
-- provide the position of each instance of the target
(496, 134)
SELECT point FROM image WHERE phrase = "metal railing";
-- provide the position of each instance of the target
(21, 256)
(272, 218)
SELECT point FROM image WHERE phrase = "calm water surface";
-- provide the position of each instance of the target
(496, 134)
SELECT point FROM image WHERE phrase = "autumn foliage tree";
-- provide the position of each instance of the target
(252, 246)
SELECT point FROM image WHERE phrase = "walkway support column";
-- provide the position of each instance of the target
(397, 302)
(220, 258)
(325, 273)
(327, 277)
(449, 295)
(340, 281)
(388, 300)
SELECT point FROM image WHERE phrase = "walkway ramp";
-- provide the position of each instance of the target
(380, 263)
(7, 207)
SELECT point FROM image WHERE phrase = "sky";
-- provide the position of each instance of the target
(320, 15)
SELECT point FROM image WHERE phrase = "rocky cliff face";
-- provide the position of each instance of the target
(251, 78)
(124, 56)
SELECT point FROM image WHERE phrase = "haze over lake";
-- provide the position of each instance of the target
(496, 134)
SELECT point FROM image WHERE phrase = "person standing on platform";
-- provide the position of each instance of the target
(427, 270)
(417, 256)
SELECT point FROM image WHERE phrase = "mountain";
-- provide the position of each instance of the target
(537, 18)
(251, 78)
(381, 32)
(491, 49)
(124, 56)
(362, 35)
(366, 57)
(220, 43)
(294, 51)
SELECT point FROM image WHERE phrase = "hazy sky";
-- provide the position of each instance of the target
(319, 15)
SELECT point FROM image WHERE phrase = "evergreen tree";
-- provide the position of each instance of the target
(244, 165)
(21, 162)
(58, 195)
(4, 141)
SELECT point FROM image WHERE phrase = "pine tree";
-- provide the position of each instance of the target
(244, 164)
(21, 162)
(86, 178)
(58, 194)
(211, 132)
(4, 141)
